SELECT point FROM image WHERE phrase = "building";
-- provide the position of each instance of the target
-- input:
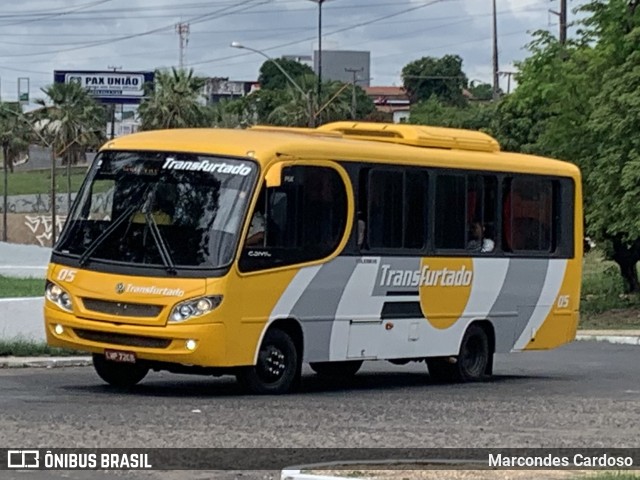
(336, 63)
(304, 59)
(391, 100)
(221, 88)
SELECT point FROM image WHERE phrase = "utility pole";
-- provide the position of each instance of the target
(563, 21)
(354, 72)
(562, 15)
(5, 194)
(183, 33)
(496, 79)
(113, 107)
(53, 195)
(508, 75)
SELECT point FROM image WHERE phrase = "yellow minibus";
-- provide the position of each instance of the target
(251, 252)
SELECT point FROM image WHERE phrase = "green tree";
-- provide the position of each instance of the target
(481, 90)
(442, 77)
(272, 78)
(436, 113)
(612, 164)
(174, 101)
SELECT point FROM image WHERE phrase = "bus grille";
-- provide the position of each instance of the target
(122, 339)
(122, 309)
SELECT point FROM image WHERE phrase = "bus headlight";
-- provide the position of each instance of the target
(194, 308)
(58, 295)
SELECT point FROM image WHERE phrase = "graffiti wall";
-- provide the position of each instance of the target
(29, 219)
(32, 229)
(41, 203)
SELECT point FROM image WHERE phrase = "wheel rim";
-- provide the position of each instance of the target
(272, 364)
(473, 356)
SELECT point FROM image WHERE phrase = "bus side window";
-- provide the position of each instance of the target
(392, 211)
(304, 219)
(527, 215)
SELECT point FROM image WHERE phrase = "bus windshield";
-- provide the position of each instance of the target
(158, 209)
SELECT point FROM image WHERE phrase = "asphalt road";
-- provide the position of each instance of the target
(582, 395)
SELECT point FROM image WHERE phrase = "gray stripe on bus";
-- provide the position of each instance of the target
(519, 295)
(317, 306)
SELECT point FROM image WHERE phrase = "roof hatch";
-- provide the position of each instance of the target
(416, 135)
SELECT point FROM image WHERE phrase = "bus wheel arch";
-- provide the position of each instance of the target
(474, 361)
(278, 363)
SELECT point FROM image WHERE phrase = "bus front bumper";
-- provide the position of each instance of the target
(183, 343)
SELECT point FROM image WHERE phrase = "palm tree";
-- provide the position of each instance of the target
(69, 123)
(14, 133)
(294, 109)
(175, 101)
(14, 140)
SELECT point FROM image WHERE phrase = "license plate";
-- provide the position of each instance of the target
(120, 356)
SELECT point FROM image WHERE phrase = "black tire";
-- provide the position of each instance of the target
(337, 369)
(471, 364)
(120, 375)
(278, 367)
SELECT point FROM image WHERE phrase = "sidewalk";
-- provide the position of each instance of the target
(23, 261)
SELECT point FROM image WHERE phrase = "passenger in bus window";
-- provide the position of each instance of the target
(479, 240)
(255, 237)
(361, 229)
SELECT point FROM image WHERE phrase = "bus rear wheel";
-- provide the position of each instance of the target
(472, 362)
(278, 366)
(120, 375)
(336, 369)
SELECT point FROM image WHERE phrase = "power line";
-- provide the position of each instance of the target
(57, 14)
(197, 19)
(340, 30)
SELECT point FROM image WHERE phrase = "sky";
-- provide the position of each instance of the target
(40, 36)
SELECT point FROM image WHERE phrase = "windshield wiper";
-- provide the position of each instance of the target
(160, 244)
(104, 235)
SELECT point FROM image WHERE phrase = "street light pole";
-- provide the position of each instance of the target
(113, 107)
(319, 2)
(306, 95)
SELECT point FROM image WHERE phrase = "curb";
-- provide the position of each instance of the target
(617, 339)
(298, 475)
(44, 362)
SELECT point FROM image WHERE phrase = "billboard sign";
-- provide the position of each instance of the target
(108, 86)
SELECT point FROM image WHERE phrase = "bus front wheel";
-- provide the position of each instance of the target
(121, 375)
(472, 361)
(337, 369)
(278, 366)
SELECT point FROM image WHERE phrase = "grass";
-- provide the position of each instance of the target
(612, 476)
(29, 348)
(39, 181)
(21, 287)
(604, 303)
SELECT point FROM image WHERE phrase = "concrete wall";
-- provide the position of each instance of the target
(22, 319)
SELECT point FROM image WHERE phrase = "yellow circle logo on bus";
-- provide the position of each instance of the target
(445, 287)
